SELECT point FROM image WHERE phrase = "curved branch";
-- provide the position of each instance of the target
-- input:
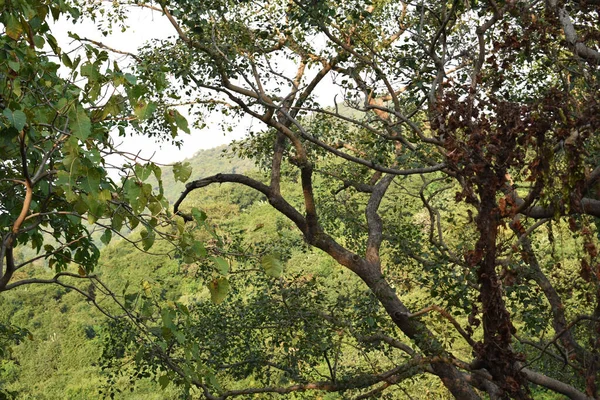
(380, 337)
(55, 280)
(392, 376)
(275, 199)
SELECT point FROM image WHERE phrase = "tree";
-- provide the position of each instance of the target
(459, 146)
(56, 188)
(60, 196)
(492, 102)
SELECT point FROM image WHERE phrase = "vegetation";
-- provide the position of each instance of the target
(53, 338)
(423, 217)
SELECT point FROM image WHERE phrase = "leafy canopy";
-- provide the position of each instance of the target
(434, 151)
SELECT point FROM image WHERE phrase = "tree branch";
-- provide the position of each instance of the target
(374, 222)
(554, 385)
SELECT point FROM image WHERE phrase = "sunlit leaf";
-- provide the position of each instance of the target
(272, 265)
(219, 288)
(182, 171)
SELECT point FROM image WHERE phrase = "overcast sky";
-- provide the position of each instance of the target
(145, 25)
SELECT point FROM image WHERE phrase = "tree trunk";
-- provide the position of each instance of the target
(415, 330)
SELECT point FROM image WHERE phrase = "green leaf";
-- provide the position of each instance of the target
(13, 27)
(17, 87)
(112, 107)
(199, 215)
(91, 72)
(144, 110)
(157, 171)
(222, 265)
(198, 249)
(80, 124)
(17, 118)
(53, 44)
(14, 65)
(39, 41)
(180, 224)
(219, 288)
(181, 121)
(164, 381)
(182, 171)
(272, 265)
(130, 78)
(148, 237)
(143, 171)
(106, 237)
(92, 218)
(155, 207)
(66, 60)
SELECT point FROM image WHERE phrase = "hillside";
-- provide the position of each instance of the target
(75, 352)
(61, 358)
(205, 163)
(307, 323)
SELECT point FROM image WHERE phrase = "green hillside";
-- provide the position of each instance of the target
(72, 351)
(420, 218)
(205, 163)
(60, 358)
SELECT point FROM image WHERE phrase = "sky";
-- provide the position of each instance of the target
(145, 24)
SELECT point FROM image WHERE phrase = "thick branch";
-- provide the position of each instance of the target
(374, 222)
(275, 199)
(587, 206)
(7, 271)
(394, 375)
(554, 385)
(590, 55)
(278, 149)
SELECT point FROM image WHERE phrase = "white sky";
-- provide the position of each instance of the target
(144, 25)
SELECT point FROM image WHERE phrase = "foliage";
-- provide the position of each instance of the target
(464, 131)
(56, 190)
(68, 335)
(460, 144)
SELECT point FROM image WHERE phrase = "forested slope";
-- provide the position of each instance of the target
(69, 349)
(314, 321)
(60, 356)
